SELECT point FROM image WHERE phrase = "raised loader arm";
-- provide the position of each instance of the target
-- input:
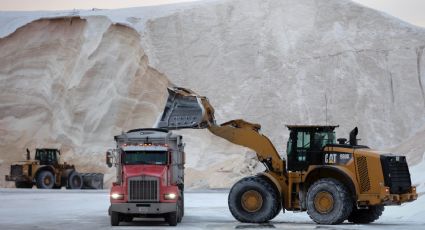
(187, 110)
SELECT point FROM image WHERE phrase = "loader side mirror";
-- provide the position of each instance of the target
(109, 158)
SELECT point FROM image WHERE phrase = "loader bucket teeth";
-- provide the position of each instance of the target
(183, 110)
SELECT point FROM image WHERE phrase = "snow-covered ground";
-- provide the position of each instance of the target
(62, 209)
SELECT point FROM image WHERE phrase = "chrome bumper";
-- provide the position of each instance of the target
(143, 208)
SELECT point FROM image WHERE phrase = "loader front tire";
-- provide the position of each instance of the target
(45, 180)
(328, 202)
(254, 200)
(366, 216)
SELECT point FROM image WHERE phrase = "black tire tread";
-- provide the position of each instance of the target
(276, 207)
(71, 176)
(179, 211)
(344, 196)
(40, 181)
(115, 218)
(172, 218)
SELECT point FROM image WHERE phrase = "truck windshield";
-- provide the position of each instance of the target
(145, 157)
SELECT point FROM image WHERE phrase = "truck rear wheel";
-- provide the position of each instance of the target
(365, 216)
(75, 181)
(45, 180)
(253, 200)
(171, 218)
(23, 184)
(115, 218)
(328, 202)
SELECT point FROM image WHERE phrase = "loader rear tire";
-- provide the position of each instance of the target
(328, 202)
(45, 180)
(75, 181)
(115, 218)
(366, 216)
(253, 200)
(23, 184)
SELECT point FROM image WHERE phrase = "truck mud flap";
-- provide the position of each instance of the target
(92, 180)
(184, 109)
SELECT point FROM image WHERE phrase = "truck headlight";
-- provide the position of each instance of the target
(170, 196)
(117, 196)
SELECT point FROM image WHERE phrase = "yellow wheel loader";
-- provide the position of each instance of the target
(332, 179)
(46, 172)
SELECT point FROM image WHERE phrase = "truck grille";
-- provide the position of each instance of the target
(143, 189)
(16, 170)
(396, 173)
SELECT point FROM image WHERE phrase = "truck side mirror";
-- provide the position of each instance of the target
(109, 158)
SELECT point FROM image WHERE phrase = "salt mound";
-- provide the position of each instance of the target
(74, 82)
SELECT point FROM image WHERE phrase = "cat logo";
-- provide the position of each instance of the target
(337, 158)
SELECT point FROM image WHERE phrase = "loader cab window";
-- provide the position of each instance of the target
(298, 144)
(305, 147)
(145, 157)
(46, 156)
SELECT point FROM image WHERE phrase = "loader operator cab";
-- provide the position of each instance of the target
(47, 156)
(305, 145)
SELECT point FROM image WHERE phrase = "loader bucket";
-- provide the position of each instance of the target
(185, 110)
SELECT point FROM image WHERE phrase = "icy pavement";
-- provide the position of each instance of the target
(64, 209)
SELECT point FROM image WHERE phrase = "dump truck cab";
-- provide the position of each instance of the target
(150, 177)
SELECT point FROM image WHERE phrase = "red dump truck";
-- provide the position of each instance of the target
(150, 176)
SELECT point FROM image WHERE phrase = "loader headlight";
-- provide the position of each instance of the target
(117, 196)
(170, 196)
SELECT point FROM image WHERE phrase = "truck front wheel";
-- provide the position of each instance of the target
(171, 218)
(115, 218)
(328, 202)
(253, 200)
(365, 216)
(179, 211)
